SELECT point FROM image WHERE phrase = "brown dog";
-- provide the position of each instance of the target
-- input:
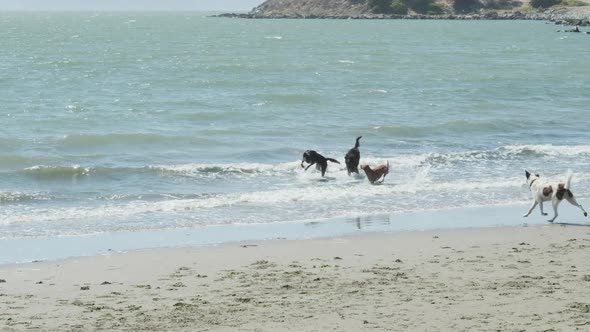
(375, 174)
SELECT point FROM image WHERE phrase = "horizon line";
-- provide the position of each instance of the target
(121, 10)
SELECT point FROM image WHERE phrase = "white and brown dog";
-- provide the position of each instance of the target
(554, 192)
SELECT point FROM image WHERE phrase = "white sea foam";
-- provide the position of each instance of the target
(15, 197)
(339, 192)
(237, 168)
(380, 91)
(57, 171)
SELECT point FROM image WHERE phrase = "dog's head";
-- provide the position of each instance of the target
(364, 167)
(530, 177)
(306, 157)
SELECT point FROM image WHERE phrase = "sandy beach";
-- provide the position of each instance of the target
(531, 278)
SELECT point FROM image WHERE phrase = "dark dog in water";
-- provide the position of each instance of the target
(321, 163)
(353, 157)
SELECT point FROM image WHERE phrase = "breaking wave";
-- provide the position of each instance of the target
(505, 153)
(267, 192)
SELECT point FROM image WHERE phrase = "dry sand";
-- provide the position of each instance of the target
(496, 279)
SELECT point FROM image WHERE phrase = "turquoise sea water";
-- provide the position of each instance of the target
(117, 122)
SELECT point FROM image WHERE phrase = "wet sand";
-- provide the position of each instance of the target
(534, 278)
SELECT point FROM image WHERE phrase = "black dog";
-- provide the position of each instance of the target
(311, 157)
(352, 158)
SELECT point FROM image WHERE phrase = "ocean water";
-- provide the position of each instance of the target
(146, 122)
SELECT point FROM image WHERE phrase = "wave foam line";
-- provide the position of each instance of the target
(549, 149)
(239, 168)
(338, 192)
(509, 152)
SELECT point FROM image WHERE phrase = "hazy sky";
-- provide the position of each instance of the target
(237, 5)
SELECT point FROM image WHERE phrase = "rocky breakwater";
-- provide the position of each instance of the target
(359, 9)
(557, 18)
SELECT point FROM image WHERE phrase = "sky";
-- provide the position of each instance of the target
(225, 5)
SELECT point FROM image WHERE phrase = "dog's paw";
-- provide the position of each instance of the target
(551, 220)
(544, 214)
(525, 215)
(585, 214)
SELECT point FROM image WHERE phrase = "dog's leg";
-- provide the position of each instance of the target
(309, 166)
(323, 167)
(531, 209)
(573, 202)
(555, 203)
(541, 207)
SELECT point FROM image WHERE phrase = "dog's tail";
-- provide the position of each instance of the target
(357, 142)
(387, 169)
(333, 160)
(570, 174)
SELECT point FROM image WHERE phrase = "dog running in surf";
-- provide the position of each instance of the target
(321, 163)
(554, 192)
(352, 158)
(374, 174)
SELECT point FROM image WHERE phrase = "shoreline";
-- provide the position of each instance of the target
(560, 16)
(494, 278)
(24, 250)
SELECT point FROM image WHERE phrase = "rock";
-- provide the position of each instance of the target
(357, 9)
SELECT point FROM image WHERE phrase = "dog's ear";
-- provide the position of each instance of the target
(527, 174)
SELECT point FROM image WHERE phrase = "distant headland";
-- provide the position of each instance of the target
(566, 12)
